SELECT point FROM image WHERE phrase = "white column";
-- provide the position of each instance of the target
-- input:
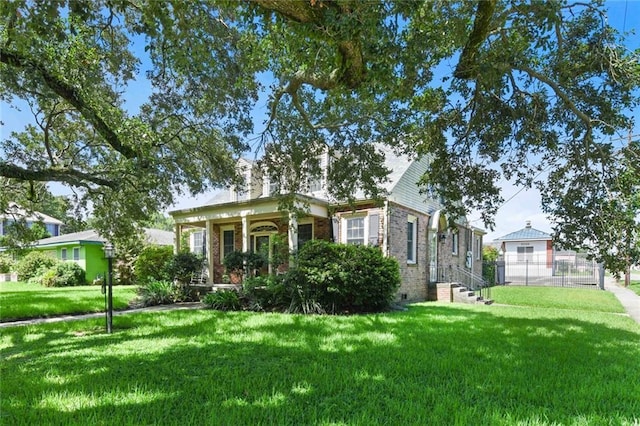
(245, 234)
(210, 254)
(178, 232)
(293, 235)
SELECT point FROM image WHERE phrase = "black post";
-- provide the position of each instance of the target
(110, 298)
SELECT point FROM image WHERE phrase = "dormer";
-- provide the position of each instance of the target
(252, 177)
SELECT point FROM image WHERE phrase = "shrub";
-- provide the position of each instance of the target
(184, 265)
(153, 263)
(346, 278)
(223, 300)
(156, 293)
(6, 264)
(235, 261)
(329, 277)
(268, 292)
(33, 264)
(63, 274)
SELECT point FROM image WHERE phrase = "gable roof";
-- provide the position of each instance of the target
(401, 181)
(526, 233)
(14, 211)
(152, 236)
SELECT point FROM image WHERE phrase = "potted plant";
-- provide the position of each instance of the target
(234, 266)
(254, 261)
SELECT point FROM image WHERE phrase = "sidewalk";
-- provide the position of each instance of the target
(628, 298)
(174, 307)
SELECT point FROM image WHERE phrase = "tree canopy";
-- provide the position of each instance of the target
(488, 90)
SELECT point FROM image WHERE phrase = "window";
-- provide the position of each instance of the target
(478, 248)
(76, 253)
(198, 242)
(525, 254)
(228, 242)
(273, 186)
(455, 243)
(63, 254)
(412, 239)
(53, 229)
(355, 230)
(305, 233)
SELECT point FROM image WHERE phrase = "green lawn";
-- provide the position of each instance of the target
(635, 286)
(20, 300)
(558, 298)
(434, 364)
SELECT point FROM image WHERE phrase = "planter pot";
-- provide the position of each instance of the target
(235, 277)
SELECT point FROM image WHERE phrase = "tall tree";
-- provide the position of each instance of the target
(487, 89)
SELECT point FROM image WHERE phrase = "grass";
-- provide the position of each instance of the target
(433, 364)
(21, 300)
(635, 287)
(557, 298)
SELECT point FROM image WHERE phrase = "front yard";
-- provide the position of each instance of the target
(434, 364)
(21, 300)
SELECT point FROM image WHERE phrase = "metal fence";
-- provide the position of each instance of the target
(577, 273)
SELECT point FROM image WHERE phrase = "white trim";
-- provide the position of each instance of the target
(343, 226)
(414, 220)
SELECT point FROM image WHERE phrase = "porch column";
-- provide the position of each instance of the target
(293, 236)
(210, 254)
(178, 232)
(245, 234)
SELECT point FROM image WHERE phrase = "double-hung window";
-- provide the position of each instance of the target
(305, 233)
(228, 242)
(76, 253)
(455, 242)
(525, 254)
(355, 230)
(63, 254)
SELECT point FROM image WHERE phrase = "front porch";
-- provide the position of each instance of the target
(217, 230)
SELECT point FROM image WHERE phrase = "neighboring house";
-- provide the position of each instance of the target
(16, 213)
(527, 245)
(85, 248)
(407, 225)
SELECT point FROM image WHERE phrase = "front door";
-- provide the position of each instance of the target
(261, 245)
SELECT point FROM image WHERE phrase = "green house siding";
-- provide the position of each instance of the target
(95, 263)
(91, 257)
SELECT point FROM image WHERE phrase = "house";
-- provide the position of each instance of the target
(407, 225)
(85, 248)
(15, 213)
(526, 245)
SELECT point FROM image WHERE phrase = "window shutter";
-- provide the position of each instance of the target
(334, 229)
(374, 224)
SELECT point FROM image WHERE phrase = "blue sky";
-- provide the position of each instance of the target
(521, 205)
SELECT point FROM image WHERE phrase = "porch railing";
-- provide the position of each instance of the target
(463, 276)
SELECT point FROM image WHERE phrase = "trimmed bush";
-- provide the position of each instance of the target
(346, 278)
(64, 274)
(34, 264)
(184, 265)
(153, 264)
(329, 278)
(6, 264)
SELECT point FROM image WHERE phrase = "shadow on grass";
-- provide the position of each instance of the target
(434, 364)
(20, 305)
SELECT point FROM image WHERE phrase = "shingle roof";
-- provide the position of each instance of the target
(16, 211)
(153, 236)
(526, 233)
